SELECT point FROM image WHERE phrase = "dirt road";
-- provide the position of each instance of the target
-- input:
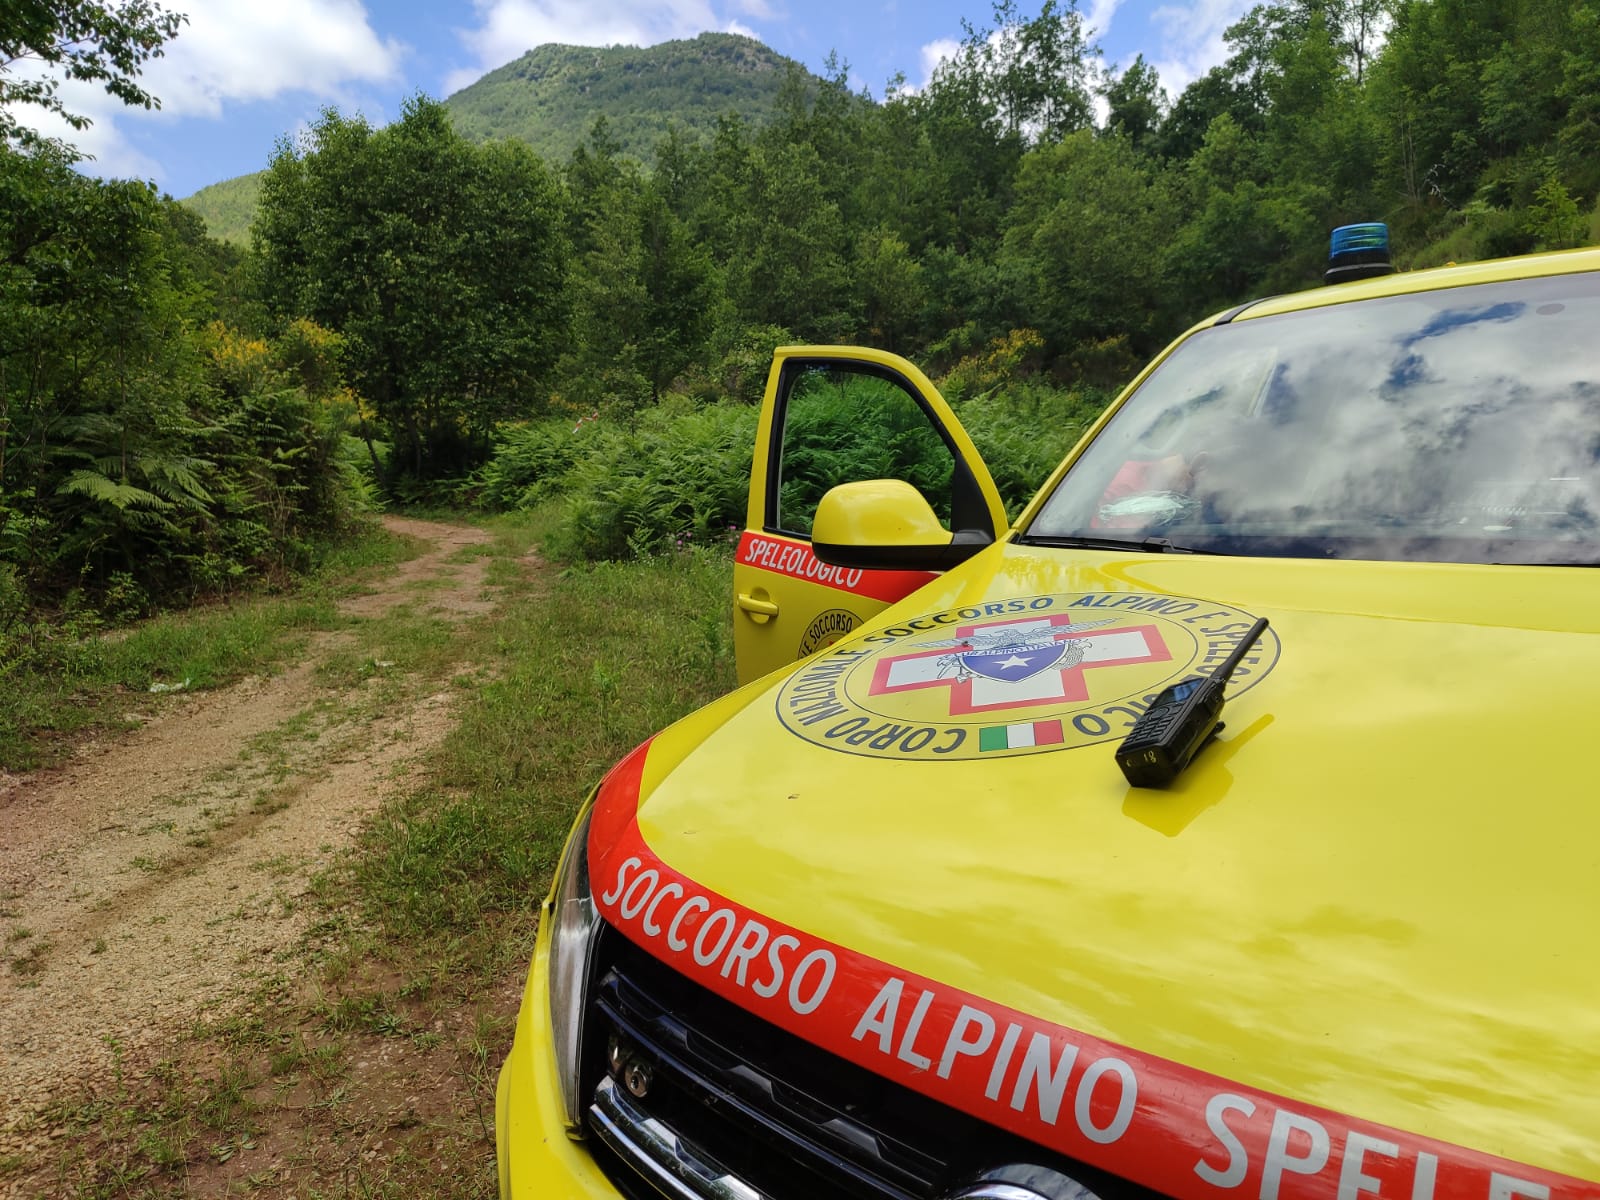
(158, 877)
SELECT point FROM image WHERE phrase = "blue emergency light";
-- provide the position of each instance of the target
(1358, 252)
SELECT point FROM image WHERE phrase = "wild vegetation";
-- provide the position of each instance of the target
(152, 450)
(420, 315)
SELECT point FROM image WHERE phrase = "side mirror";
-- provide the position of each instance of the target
(886, 524)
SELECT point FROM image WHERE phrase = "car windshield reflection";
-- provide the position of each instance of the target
(1455, 425)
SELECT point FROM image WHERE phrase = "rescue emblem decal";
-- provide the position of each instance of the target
(1016, 676)
(827, 629)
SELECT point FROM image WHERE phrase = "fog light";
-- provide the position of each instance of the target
(636, 1077)
(628, 1068)
(1022, 1181)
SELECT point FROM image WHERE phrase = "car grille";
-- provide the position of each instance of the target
(734, 1107)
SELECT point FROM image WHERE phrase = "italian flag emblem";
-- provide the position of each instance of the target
(1014, 737)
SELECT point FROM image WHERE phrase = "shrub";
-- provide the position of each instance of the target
(530, 462)
(679, 473)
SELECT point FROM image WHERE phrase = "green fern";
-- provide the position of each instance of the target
(105, 490)
(170, 481)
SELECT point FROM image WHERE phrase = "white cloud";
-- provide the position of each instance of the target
(758, 10)
(102, 141)
(234, 52)
(741, 29)
(1190, 39)
(246, 50)
(935, 53)
(1097, 21)
(508, 29)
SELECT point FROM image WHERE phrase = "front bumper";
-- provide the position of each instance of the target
(536, 1158)
(533, 1153)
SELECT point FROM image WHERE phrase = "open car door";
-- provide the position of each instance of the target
(870, 421)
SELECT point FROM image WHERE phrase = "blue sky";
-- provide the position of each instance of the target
(244, 73)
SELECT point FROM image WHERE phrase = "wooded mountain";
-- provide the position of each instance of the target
(551, 97)
(228, 207)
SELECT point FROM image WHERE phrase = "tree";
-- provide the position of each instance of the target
(1237, 230)
(1216, 93)
(1432, 92)
(1035, 72)
(144, 454)
(970, 162)
(892, 289)
(442, 264)
(1318, 135)
(1578, 142)
(895, 189)
(1086, 236)
(824, 115)
(787, 263)
(93, 42)
(1359, 26)
(643, 292)
(1136, 102)
(678, 285)
(1554, 218)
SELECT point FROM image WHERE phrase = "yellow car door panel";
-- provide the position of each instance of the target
(832, 416)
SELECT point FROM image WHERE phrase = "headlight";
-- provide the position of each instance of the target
(572, 938)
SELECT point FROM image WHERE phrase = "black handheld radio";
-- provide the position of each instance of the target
(1178, 722)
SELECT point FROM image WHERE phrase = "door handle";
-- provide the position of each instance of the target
(750, 604)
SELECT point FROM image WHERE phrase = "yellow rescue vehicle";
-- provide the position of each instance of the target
(988, 896)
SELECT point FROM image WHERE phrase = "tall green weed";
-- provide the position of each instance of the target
(675, 474)
(531, 462)
(679, 474)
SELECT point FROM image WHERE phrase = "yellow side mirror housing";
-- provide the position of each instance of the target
(886, 524)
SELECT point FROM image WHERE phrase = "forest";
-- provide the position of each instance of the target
(419, 317)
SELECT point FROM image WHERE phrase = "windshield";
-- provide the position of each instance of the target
(1460, 425)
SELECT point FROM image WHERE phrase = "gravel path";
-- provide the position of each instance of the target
(156, 878)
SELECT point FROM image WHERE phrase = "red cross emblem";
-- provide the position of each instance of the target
(1019, 663)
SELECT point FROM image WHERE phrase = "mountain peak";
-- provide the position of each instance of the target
(551, 96)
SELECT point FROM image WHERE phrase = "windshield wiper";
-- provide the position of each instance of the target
(1149, 545)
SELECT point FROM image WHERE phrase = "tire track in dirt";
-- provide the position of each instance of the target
(156, 879)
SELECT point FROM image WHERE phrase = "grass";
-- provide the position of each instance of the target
(367, 1066)
(62, 679)
(611, 654)
(131, 1137)
(580, 666)
(395, 643)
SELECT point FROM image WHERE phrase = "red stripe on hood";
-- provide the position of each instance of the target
(1183, 1132)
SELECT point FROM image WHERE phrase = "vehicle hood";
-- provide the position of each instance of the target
(1375, 894)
